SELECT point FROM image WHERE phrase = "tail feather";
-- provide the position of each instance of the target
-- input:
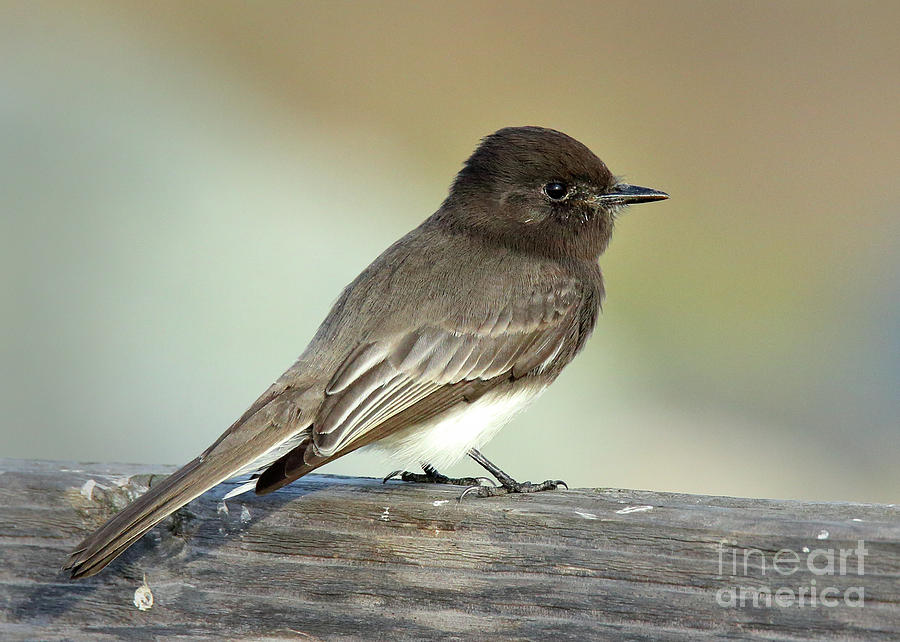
(163, 499)
(274, 419)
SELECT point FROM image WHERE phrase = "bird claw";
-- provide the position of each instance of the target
(513, 487)
(437, 478)
(476, 490)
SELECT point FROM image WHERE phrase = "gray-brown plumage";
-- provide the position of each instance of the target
(437, 343)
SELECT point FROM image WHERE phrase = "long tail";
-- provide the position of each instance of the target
(276, 417)
(125, 528)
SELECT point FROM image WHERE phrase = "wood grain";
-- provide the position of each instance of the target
(338, 558)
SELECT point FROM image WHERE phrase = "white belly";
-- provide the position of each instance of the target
(445, 439)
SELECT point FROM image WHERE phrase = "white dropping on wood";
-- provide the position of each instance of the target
(634, 509)
(823, 534)
(87, 489)
(143, 597)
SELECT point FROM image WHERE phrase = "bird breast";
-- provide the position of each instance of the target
(443, 440)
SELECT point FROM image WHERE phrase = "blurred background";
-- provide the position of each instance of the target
(186, 187)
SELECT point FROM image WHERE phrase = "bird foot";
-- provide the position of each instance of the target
(432, 476)
(510, 485)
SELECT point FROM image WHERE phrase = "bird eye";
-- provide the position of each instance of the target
(556, 191)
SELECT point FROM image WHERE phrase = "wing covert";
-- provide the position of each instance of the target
(382, 378)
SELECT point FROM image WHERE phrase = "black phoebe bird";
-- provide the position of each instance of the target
(430, 350)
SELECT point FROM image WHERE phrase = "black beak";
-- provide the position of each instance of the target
(624, 194)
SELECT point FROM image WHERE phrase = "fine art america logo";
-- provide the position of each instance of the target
(768, 581)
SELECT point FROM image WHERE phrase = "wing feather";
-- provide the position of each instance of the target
(390, 375)
(400, 379)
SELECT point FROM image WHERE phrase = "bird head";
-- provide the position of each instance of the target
(538, 189)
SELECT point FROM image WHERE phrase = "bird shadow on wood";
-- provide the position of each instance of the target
(190, 533)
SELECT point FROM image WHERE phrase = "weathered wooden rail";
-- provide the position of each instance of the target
(341, 558)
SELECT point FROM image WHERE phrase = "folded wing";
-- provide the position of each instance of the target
(402, 379)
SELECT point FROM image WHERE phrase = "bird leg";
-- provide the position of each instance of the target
(432, 476)
(507, 483)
